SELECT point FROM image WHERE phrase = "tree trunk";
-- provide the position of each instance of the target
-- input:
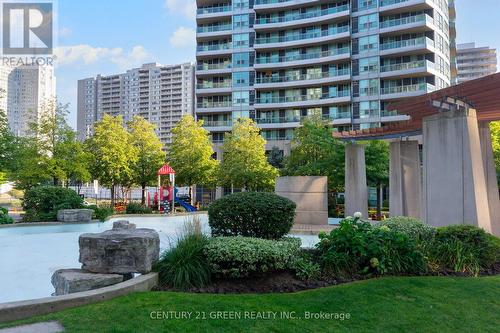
(379, 202)
(191, 201)
(143, 196)
(113, 196)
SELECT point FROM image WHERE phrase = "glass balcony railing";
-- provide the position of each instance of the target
(390, 2)
(405, 20)
(298, 57)
(302, 77)
(406, 42)
(217, 123)
(406, 66)
(214, 9)
(300, 98)
(269, 2)
(277, 120)
(212, 85)
(425, 87)
(214, 47)
(309, 35)
(384, 113)
(214, 28)
(301, 16)
(206, 67)
(212, 104)
(276, 138)
(338, 115)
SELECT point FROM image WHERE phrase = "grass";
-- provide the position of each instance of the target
(392, 304)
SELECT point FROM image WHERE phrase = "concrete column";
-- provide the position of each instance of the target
(356, 188)
(491, 176)
(404, 179)
(454, 180)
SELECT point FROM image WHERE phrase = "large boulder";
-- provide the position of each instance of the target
(122, 250)
(74, 215)
(67, 281)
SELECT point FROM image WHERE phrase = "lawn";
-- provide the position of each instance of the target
(392, 304)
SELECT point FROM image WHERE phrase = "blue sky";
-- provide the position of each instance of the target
(109, 36)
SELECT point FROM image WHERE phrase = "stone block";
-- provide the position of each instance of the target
(122, 250)
(68, 281)
(74, 215)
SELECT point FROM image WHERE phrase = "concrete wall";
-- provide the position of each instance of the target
(454, 180)
(356, 188)
(310, 193)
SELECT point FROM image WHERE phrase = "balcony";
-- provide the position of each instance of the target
(214, 9)
(405, 20)
(407, 68)
(305, 38)
(211, 106)
(406, 90)
(302, 100)
(301, 16)
(407, 45)
(215, 48)
(384, 3)
(213, 28)
(303, 79)
(302, 59)
(212, 85)
(204, 68)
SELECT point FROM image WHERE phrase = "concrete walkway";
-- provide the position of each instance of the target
(43, 327)
(311, 229)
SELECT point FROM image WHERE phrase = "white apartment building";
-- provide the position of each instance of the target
(475, 62)
(160, 94)
(27, 89)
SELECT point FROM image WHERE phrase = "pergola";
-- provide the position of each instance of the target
(455, 181)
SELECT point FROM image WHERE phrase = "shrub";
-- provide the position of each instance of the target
(237, 257)
(357, 247)
(41, 203)
(412, 227)
(103, 213)
(464, 248)
(4, 216)
(251, 214)
(305, 268)
(136, 208)
(185, 266)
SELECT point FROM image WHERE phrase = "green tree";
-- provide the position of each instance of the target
(191, 154)
(244, 162)
(377, 168)
(5, 140)
(495, 141)
(113, 155)
(275, 157)
(150, 156)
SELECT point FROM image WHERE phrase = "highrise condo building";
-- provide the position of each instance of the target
(475, 62)
(278, 61)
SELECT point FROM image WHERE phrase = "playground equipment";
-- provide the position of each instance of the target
(167, 195)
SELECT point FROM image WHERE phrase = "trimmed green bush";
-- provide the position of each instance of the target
(41, 203)
(137, 208)
(237, 257)
(410, 226)
(4, 216)
(185, 266)
(251, 214)
(464, 248)
(358, 247)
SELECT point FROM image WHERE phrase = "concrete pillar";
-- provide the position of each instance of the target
(491, 176)
(356, 188)
(454, 181)
(405, 193)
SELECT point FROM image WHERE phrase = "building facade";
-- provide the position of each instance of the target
(278, 61)
(27, 90)
(160, 94)
(475, 62)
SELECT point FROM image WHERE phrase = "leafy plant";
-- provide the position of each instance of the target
(41, 203)
(251, 214)
(305, 268)
(102, 213)
(236, 257)
(136, 208)
(4, 216)
(412, 227)
(185, 265)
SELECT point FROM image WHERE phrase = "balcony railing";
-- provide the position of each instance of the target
(384, 113)
(212, 85)
(406, 66)
(390, 2)
(406, 43)
(298, 57)
(301, 16)
(300, 98)
(214, 47)
(217, 123)
(210, 105)
(215, 9)
(301, 77)
(308, 35)
(214, 28)
(277, 120)
(206, 67)
(268, 2)
(338, 115)
(407, 88)
(405, 20)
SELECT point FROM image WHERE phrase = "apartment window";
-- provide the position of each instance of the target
(368, 43)
(369, 109)
(366, 4)
(241, 79)
(369, 65)
(241, 21)
(367, 22)
(241, 59)
(241, 98)
(240, 4)
(241, 40)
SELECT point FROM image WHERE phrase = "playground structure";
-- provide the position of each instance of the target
(167, 196)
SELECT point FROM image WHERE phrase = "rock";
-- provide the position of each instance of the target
(121, 250)
(67, 281)
(75, 215)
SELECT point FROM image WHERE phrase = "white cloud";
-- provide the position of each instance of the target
(183, 37)
(65, 32)
(184, 7)
(69, 55)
